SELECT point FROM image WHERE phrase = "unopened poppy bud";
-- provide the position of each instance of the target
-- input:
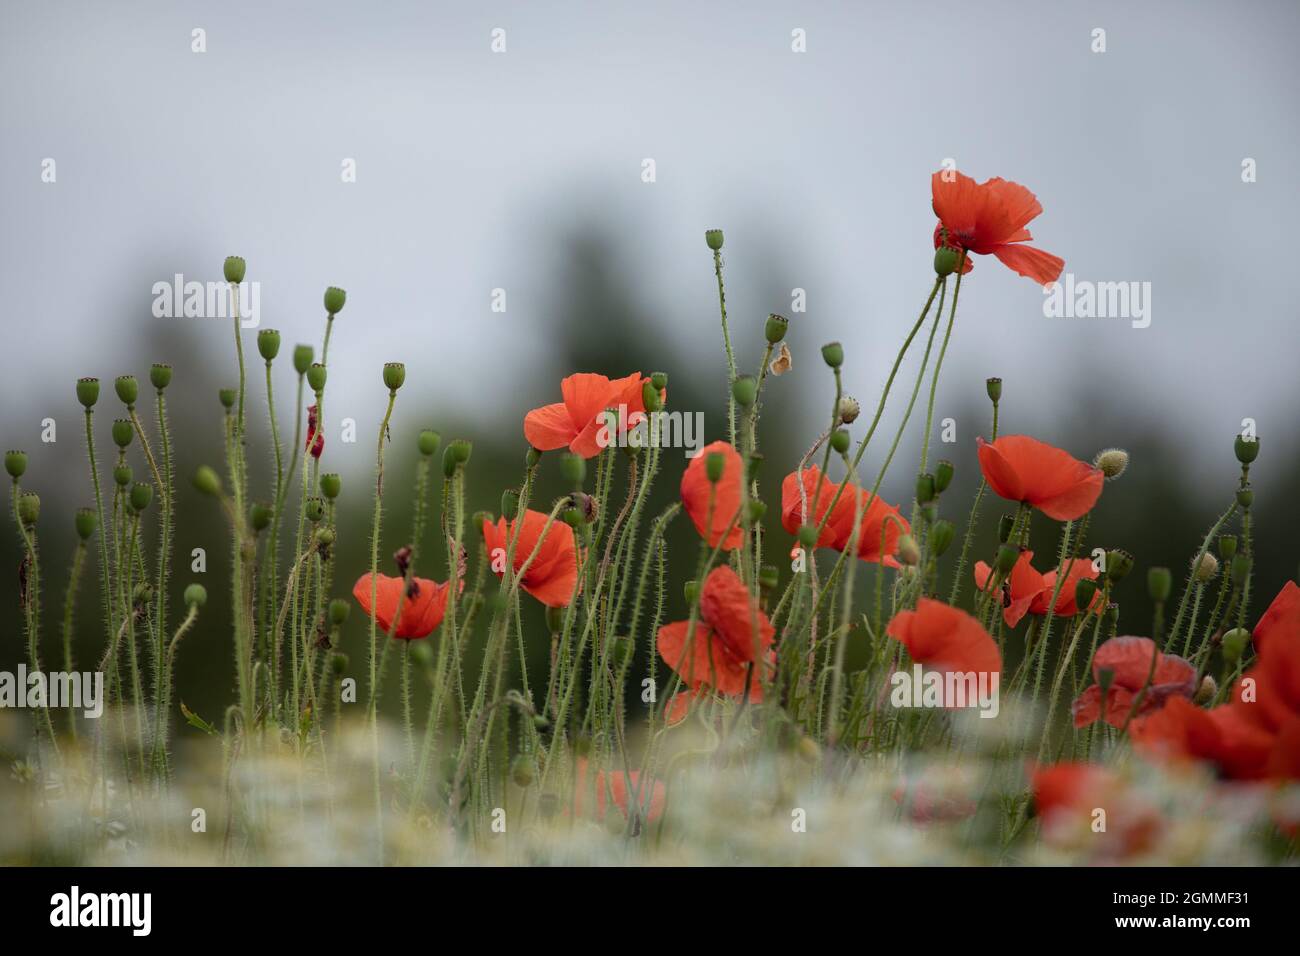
(509, 504)
(196, 595)
(1247, 449)
(744, 390)
(1159, 583)
(325, 536)
(532, 458)
(908, 552)
(330, 485)
(1118, 564)
(1245, 497)
(268, 343)
(775, 328)
(554, 619)
(122, 475)
(808, 535)
(650, 396)
(315, 509)
(1112, 462)
(573, 468)
(691, 591)
(714, 465)
(206, 481)
(1007, 557)
(523, 770)
(1205, 568)
(622, 649)
(1006, 525)
(339, 611)
(234, 269)
(85, 521)
(227, 397)
(833, 354)
(160, 375)
(122, 432)
(15, 463)
(259, 515)
(756, 511)
(1234, 644)
(994, 388)
(924, 488)
(422, 653)
(1240, 568)
(141, 495)
(394, 375)
(335, 299)
(945, 260)
(714, 238)
(849, 410)
(941, 536)
(142, 595)
(1084, 591)
(316, 376)
(1227, 546)
(1205, 693)
(29, 508)
(302, 358)
(449, 463)
(840, 441)
(338, 663)
(943, 472)
(768, 577)
(88, 391)
(127, 388)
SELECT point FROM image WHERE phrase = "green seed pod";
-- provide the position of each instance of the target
(833, 354)
(460, 450)
(122, 475)
(924, 488)
(234, 269)
(744, 390)
(449, 463)
(160, 376)
(141, 495)
(945, 261)
(775, 328)
(1159, 584)
(196, 595)
(532, 458)
(335, 299)
(1240, 568)
(808, 535)
(259, 516)
(573, 468)
(338, 663)
(1247, 449)
(1227, 546)
(88, 391)
(1110, 616)
(930, 512)
(206, 481)
(572, 517)
(428, 442)
(509, 504)
(339, 610)
(29, 508)
(268, 343)
(554, 619)
(325, 536)
(1234, 644)
(422, 653)
(941, 536)
(659, 380)
(650, 397)
(15, 463)
(1006, 559)
(713, 237)
(302, 358)
(523, 770)
(943, 472)
(993, 386)
(768, 577)
(85, 521)
(315, 509)
(1245, 497)
(122, 432)
(691, 591)
(394, 375)
(1005, 526)
(756, 511)
(127, 388)
(1118, 564)
(227, 397)
(330, 485)
(840, 441)
(1084, 592)
(316, 376)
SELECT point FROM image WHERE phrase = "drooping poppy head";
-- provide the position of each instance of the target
(1024, 469)
(578, 422)
(1022, 587)
(881, 523)
(715, 507)
(315, 443)
(553, 574)
(945, 638)
(422, 605)
(731, 638)
(989, 218)
(1129, 663)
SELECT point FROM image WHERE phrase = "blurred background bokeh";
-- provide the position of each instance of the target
(522, 171)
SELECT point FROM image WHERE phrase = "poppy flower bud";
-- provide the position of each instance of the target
(449, 463)
(756, 511)
(160, 375)
(714, 238)
(85, 521)
(127, 388)
(691, 591)
(1005, 526)
(994, 388)
(840, 441)
(1240, 568)
(315, 509)
(768, 577)
(335, 299)
(532, 458)
(775, 328)
(302, 358)
(1118, 564)
(943, 472)
(1206, 568)
(1247, 449)
(941, 536)
(1110, 615)
(715, 463)
(1007, 557)
(573, 468)
(325, 536)
(1205, 693)
(659, 380)
(833, 354)
(206, 481)
(945, 260)
(1112, 462)
(1084, 591)
(744, 390)
(523, 769)
(1234, 644)
(924, 488)
(338, 664)
(196, 595)
(753, 465)
(316, 376)
(330, 485)
(394, 375)
(29, 508)
(122, 475)
(808, 535)
(15, 463)
(1227, 546)
(227, 397)
(141, 495)
(650, 396)
(259, 515)
(122, 432)
(88, 391)
(142, 595)
(1159, 583)
(554, 619)
(268, 343)
(234, 269)
(339, 610)
(908, 552)
(849, 410)
(509, 504)
(1245, 497)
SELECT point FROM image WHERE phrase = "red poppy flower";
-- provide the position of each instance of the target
(553, 573)
(723, 647)
(1067, 797)
(1067, 605)
(945, 638)
(422, 607)
(576, 423)
(698, 492)
(1025, 591)
(1129, 660)
(877, 516)
(989, 218)
(1070, 786)
(315, 439)
(614, 784)
(1020, 468)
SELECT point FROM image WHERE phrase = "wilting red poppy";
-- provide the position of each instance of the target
(576, 423)
(877, 516)
(989, 218)
(422, 607)
(945, 638)
(702, 497)
(614, 784)
(1025, 591)
(315, 439)
(723, 647)
(1129, 661)
(1024, 469)
(553, 573)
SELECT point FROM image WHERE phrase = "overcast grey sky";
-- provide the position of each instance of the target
(471, 163)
